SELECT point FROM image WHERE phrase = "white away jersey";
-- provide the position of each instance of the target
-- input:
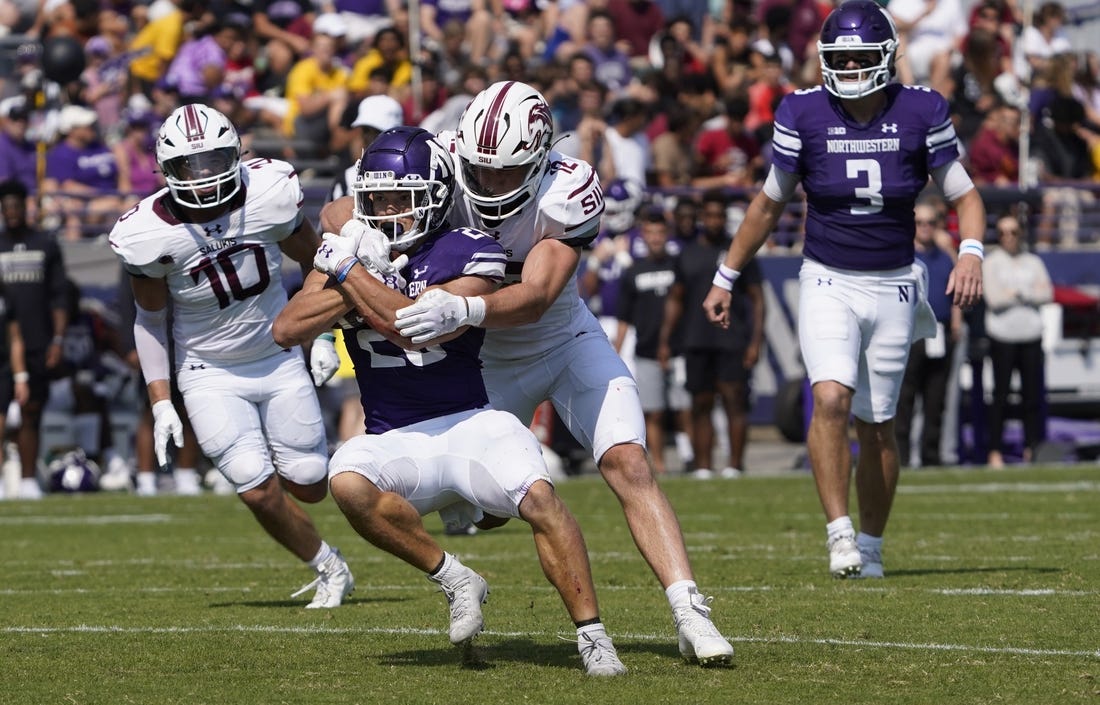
(224, 275)
(566, 207)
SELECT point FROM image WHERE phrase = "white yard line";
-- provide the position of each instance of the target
(265, 629)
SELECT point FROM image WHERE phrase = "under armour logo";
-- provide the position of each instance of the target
(198, 366)
(824, 282)
(890, 127)
(212, 230)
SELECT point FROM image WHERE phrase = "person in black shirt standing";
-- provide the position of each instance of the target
(719, 361)
(33, 277)
(642, 293)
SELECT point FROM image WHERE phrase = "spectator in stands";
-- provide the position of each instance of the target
(587, 139)
(156, 43)
(480, 23)
(1086, 85)
(803, 22)
(772, 39)
(636, 22)
(765, 94)
(284, 28)
(971, 86)
(104, 80)
(732, 63)
(18, 155)
(929, 368)
(137, 166)
(641, 308)
(373, 115)
(925, 28)
(611, 65)
(1064, 160)
(994, 153)
(995, 17)
(674, 159)
(365, 18)
(388, 55)
(433, 94)
(33, 276)
(627, 140)
(199, 67)
(719, 361)
(82, 176)
(317, 92)
(1016, 285)
(453, 55)
(728, 157)
(1040, 41)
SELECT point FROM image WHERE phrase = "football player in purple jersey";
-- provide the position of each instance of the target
(863, 148)
(541, 341)
(432, 441)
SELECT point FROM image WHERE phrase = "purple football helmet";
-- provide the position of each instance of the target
(857, 26)
(407, 159)
(622, 198)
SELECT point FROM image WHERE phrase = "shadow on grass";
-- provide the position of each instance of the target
(487, 652)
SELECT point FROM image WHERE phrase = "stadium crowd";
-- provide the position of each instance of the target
(672, 102)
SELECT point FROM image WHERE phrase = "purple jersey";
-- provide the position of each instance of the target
(862, 181)
(401, 387)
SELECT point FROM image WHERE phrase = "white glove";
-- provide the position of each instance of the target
(166, 426)
(333, 253)
(323, 360)
(438, 312)
(373, 251)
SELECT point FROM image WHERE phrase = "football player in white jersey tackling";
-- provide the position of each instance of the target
(863, 149)
(433, 443)
(211, 244)
(542, 342)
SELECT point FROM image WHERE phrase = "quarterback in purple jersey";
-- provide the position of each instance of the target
(863, 148)
(432, 441)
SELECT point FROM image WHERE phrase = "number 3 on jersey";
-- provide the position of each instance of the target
(872, 192)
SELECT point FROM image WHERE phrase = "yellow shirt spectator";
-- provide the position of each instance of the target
(360, 73)
(161, 38)
(309, 77)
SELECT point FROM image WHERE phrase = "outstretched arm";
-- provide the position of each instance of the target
(965, 282)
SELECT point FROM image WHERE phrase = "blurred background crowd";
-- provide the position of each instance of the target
(671, 101)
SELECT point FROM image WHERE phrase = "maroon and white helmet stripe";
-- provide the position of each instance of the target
(489, 138)
(192, 127)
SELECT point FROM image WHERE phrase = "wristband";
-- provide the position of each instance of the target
(971, 246)
(345, 267)
(475, 310)
(327, 336)
(725, 277)
(22, 376)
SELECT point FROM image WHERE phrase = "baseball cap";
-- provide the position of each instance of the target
(329, 23)
(14, 108)
(75, 116)
(380, 112)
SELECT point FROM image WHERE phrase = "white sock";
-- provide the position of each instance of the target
(147, 481)
(679, 593)
(839, 527)
(452, 569)
(322, 555)
(866, 541)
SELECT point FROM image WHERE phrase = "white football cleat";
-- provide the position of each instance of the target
(844, 559)
(700, 640)
(465, 597)
(334, 582)
(598, 654)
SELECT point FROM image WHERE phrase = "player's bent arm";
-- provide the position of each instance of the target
(335, 213)
(965, 281)
(312, 310)
(549, 266)
(674, 309)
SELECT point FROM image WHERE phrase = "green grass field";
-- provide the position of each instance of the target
(991, 596)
